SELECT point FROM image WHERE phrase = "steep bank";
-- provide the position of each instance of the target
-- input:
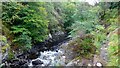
(42, 49)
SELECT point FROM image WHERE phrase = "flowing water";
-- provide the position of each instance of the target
(51, 58)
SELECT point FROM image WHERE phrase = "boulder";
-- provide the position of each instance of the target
(18, 62)
(37, 62)
(67, 52)
(33, 54)
(4, 48)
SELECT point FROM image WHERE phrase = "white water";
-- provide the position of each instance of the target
(51, 58)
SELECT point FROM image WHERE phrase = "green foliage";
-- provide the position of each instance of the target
(85, 18)
(4, 42)
(68, 10)
(113, 50)
(55, 18)
(99, 35)
(30, 22)
(27, 22)
(3, 39)
(10, 55)
(4, 48)
(110, 22)
(84, 27)
(99, 21)
(84, 46)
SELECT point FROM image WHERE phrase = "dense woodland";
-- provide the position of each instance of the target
(26, 24)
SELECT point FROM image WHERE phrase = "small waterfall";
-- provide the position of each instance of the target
(51, 58)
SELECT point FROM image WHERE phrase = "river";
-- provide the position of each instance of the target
(50, 58)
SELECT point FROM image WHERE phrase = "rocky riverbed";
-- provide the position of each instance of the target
(58, 55)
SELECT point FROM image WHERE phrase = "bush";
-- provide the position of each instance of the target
(83, 46)
(27, 23)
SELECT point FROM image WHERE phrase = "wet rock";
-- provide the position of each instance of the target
(22, 62)
(33, 54)
(37, 62)
(18, 62)
(21, 56)
(17, 66)
(48, 44)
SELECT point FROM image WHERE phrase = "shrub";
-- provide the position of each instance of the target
(83, 46)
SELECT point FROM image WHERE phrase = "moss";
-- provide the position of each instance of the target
(10, 55)
(2, 38)
(5, 47)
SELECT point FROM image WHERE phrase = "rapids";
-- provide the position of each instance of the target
(51, 58)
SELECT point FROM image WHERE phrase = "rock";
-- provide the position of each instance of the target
(83, 62)
(4, 48)
(72, 63)
(33, 54)
(18, 62)
(17, 66)
(22, 62)
(97, 59)
(67, 52)
(99, 64)
(21, 56)
(37, 62)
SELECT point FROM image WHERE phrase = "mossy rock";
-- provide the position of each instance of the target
(5, 47)
(10, 55)
(3, 40)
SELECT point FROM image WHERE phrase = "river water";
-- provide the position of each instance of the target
(51, 58)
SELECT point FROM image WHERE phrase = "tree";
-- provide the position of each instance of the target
(26, 21)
